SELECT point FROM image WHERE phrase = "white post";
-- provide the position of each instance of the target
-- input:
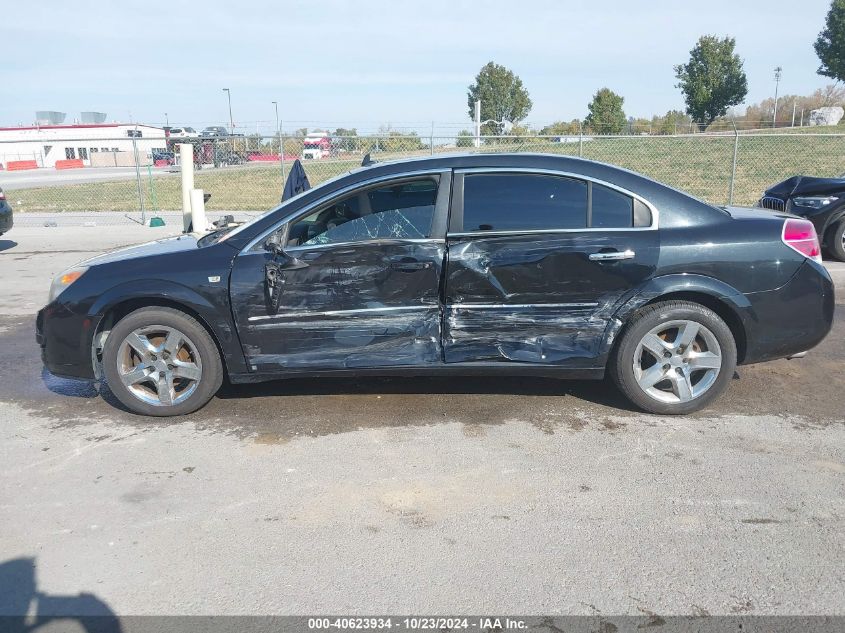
(200, 224)
(186, 160)
(478, 123)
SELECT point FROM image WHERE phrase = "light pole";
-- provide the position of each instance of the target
(166, 120)
(231, 120)
(281, 145)
(778, 71)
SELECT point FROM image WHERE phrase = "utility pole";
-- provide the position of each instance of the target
(478, 123)
(166, 120)
(231, 120)
(778, 71)
(794, 105)
(281, 145)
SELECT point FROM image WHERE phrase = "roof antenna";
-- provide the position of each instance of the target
(367, 161)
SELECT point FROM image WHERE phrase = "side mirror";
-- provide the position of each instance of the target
(274, 243)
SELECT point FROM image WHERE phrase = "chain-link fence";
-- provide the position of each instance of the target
(245, 174)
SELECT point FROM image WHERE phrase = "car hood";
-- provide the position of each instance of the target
(806, 186)
(158, 247)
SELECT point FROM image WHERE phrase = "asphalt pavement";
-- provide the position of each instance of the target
(422, 495)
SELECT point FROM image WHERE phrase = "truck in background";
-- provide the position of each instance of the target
(316, 145)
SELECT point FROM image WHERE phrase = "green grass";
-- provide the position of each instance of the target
(699, 164)
(240, 188)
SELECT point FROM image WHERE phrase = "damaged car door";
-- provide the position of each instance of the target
(538, 262)
(351, 282)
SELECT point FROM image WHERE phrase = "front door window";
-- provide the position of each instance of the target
(394, 211)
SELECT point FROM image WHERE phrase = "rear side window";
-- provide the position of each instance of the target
(531, 202)
(611, 208)
(523, 202)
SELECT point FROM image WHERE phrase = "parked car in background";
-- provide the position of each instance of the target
(223, 155)
(820, 200)
(183, 132)
(519, 264)
(166, 157)
(6, 219)
(214, 131)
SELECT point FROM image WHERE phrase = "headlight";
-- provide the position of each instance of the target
(814, 202)
(63, 280)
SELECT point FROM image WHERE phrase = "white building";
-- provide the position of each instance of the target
(46, 144)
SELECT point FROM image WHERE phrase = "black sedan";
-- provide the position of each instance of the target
(820, 200)
(466, 264)
(6, 218)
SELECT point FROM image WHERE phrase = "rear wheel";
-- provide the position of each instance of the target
(675, 357)
(836, 241)
(161, 362)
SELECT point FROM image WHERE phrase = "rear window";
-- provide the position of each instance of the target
(523, 202)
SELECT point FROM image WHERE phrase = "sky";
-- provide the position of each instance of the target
(369, 63)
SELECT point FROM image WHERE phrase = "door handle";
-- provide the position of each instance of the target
(408, 264)
(612, 256)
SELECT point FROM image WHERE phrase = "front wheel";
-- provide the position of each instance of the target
(161, 362)
(836, 241)
(675, 357)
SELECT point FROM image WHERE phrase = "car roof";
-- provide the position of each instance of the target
(633, 181)
(676, 208)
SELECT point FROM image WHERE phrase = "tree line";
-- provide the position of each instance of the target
(712, 81)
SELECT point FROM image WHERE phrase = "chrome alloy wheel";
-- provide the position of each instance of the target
(677, 361)
(159, 365)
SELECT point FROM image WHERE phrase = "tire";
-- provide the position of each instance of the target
(689, 380)
(836, 240)
(161, 362)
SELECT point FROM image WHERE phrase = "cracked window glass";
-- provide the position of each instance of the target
(401, 211)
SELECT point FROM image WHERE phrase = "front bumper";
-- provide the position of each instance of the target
(6, 219)
(65, 339)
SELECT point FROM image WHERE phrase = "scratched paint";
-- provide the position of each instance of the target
(538, 298)
(361, 305)
(349, 341)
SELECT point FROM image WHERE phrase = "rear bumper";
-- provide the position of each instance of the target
(791, 319)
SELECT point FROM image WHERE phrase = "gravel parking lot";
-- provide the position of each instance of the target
(415, 495)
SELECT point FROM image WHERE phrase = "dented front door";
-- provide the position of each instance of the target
(355, 285)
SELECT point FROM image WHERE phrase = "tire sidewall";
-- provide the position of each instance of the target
(835, 245)
(624, 358)
(212, 373)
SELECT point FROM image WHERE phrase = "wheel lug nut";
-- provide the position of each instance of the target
(667, 354)
(666, 367)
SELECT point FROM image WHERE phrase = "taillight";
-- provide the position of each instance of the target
(800, 235)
